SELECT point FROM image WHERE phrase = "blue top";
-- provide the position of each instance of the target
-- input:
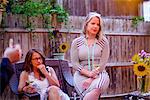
(6, 71)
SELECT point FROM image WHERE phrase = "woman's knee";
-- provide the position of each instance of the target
(53, 93)
(53, 89)
(94, 94)
(97, 91)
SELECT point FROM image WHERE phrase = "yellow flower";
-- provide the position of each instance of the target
(64, 47)
(136, 58)
(5, 2)
(148, 71)
(140, 69)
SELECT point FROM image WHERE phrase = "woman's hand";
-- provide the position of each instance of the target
(94, 73)
(85, 72)
(89, 74)
(86, 83)
(42, 68)
(29, 89)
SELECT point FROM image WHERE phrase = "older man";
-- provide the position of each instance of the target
(12, 54)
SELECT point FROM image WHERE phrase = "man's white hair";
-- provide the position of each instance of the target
(10, 50)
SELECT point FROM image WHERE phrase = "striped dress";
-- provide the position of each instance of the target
(79, 59)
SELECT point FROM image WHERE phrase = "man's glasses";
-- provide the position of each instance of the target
(39, 58)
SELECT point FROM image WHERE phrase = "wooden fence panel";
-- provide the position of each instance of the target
(105, 7)
(122, 80)
(20, 21)
(122, 47)
(110, 24)
(27, 41)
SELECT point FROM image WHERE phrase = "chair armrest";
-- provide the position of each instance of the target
(66, 70)
(13, 84)
(32, 95)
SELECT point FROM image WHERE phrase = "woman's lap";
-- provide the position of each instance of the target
(101, 82)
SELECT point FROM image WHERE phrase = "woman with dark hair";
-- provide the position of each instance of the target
(36, 78)
(89, 55)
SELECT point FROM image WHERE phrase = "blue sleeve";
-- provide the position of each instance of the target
(6, 71)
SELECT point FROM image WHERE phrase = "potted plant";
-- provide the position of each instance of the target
(3, 4)
(29, 8)
(136, 20)
(32, 8)
(62, 49)
(58, 14)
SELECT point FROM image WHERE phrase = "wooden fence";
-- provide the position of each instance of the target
(27, 41)
(124, 42)
(110, 24)
(105, 7)
(122, 46)
(122, 80)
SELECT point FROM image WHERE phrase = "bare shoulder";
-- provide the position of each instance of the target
(24, 73)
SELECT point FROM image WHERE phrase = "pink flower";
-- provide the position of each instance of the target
(142, 54)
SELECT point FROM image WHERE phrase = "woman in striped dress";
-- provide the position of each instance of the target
(89, 55)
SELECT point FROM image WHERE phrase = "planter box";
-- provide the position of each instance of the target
(58, 56)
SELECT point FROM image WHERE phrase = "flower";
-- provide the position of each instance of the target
(61, 49)
(28, 82)
(141, 63)
(3, 3)
(64, 47)
(141, 68)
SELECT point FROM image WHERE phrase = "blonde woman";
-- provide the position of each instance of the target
(89, 55)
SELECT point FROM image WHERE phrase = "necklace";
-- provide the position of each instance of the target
(90, 66)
